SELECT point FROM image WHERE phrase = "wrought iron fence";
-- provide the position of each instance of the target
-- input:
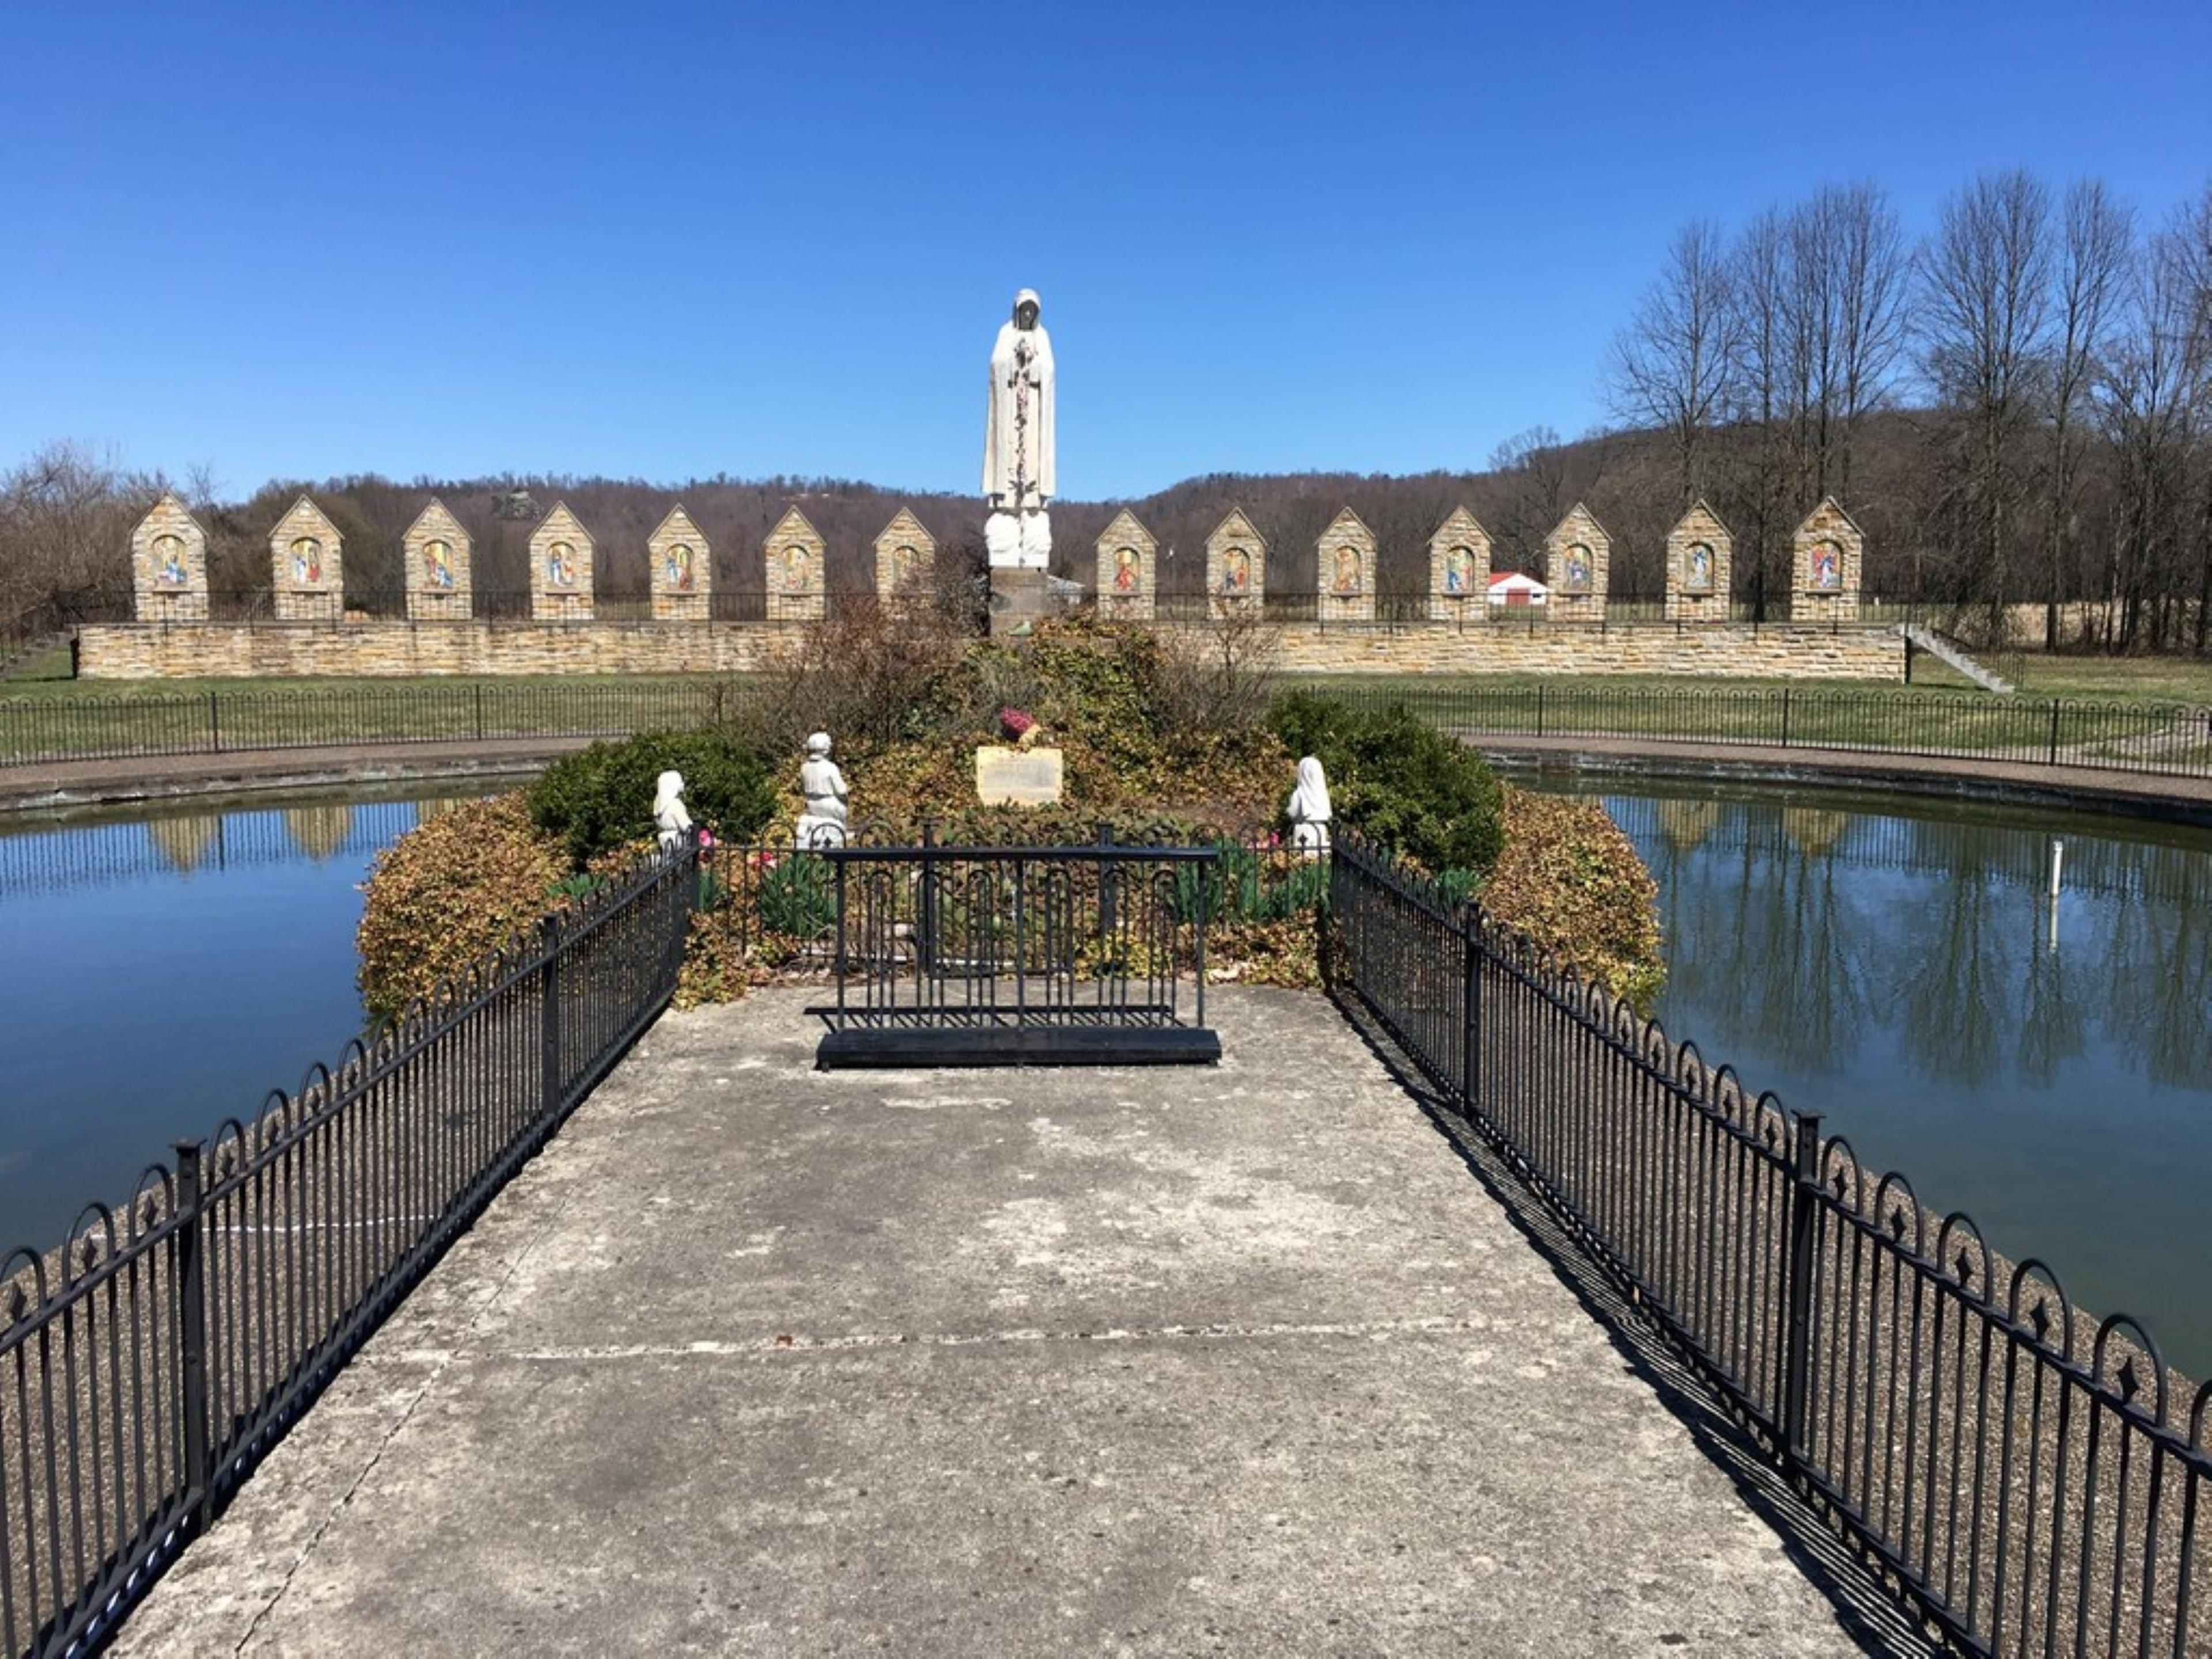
(1034, 955)
(152, 1360)
(2034, 1481)
(2161, 738)
(57, 729)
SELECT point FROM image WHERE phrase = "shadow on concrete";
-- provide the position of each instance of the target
(1868, 1611)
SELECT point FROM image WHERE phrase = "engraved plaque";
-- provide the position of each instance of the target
(1019, 777)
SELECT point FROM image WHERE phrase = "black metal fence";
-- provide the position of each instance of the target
(2162, 738)
(55, 729)
(2035, 1482)
(149, 1362)
(1037, 955)
(2171, 739)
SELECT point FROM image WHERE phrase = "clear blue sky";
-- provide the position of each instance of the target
(662, 240)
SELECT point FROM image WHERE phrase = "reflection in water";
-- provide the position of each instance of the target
(158, 973)
(1888, 962)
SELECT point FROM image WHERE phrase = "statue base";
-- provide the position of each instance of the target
(1019, 600)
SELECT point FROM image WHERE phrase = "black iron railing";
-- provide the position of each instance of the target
(149, 1364)
(57, 729)
(2167, 739)
(1039, 955)
(2050, 732)
(2034, 1481)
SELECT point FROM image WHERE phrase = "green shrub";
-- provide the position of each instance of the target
(601, 797)
(1399, 780)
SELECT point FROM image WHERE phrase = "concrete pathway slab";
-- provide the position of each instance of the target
(755, 1359)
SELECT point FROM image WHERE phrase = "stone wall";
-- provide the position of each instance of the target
(680, 567)
(373, 649)
(1459, 568)
(1775, 651)
(1127, 567)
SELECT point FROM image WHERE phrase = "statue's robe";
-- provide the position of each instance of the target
(999, 466)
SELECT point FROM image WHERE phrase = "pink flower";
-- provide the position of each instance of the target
(1016, 722)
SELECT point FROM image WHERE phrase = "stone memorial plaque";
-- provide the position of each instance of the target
(1018, 777)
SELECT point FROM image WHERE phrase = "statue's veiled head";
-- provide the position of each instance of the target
(1026, 306)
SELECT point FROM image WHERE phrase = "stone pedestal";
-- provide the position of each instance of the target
(1019, 600)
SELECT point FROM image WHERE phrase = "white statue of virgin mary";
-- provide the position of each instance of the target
(1019, 477)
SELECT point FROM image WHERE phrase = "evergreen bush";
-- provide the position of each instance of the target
(1408, 786)
(601, 798)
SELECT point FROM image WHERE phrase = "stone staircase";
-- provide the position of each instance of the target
(1948, 650)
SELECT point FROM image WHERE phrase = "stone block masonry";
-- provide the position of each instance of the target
(374, 650)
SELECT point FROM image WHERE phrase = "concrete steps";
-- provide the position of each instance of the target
(1946, 650)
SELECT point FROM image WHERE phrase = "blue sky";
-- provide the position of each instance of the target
(664, 240)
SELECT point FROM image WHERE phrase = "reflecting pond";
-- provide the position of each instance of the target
(1894, 964)
(159, 973)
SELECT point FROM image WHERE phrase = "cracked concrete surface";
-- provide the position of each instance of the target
(759, 1358)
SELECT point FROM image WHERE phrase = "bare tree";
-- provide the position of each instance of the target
(2152, 377)
(2096, 241)
(1863, 241)
(1673, 365)
(1987, 309)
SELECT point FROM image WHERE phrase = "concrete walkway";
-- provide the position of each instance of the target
(759, 1359)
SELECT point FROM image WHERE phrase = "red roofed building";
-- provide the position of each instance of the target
(1511, 587)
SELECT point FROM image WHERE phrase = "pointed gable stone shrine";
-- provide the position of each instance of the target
(1698, 550)
(561, 568)
(307, 571)
(1236, 567)
(906, 558)
(792, 559)
(1577, 560)
(1344, 560)
(1129, 565)
(1824, 559)
(1459, 569)
(436, 551)
(168, 565)
(679, 565)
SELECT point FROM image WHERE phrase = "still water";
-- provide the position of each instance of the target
(159, 974)
(1892, 964)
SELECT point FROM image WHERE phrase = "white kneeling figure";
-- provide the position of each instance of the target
(823, 823)
(1309, 809)
(670, 819)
